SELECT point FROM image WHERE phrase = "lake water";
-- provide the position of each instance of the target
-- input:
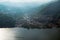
(31, 34)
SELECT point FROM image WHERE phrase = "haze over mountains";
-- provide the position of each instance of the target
(35, 12)
(14, 8)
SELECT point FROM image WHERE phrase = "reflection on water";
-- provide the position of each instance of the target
(6, 34)
(31, 34)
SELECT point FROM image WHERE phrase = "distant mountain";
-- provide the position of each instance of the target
(7, 9)
(51, 10)
(49, 13)
(12, 11)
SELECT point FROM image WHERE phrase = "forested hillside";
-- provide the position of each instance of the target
(48, 17)
(31, 16)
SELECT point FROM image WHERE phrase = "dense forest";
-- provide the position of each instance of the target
(44, 16)
(9, 16)
(48, 17)
(6, 21)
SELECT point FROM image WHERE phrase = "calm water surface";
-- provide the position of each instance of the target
(31, 34)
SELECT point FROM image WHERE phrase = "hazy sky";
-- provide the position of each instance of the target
(14, 1)
(19, 3)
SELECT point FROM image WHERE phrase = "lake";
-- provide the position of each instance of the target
(31, 34)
